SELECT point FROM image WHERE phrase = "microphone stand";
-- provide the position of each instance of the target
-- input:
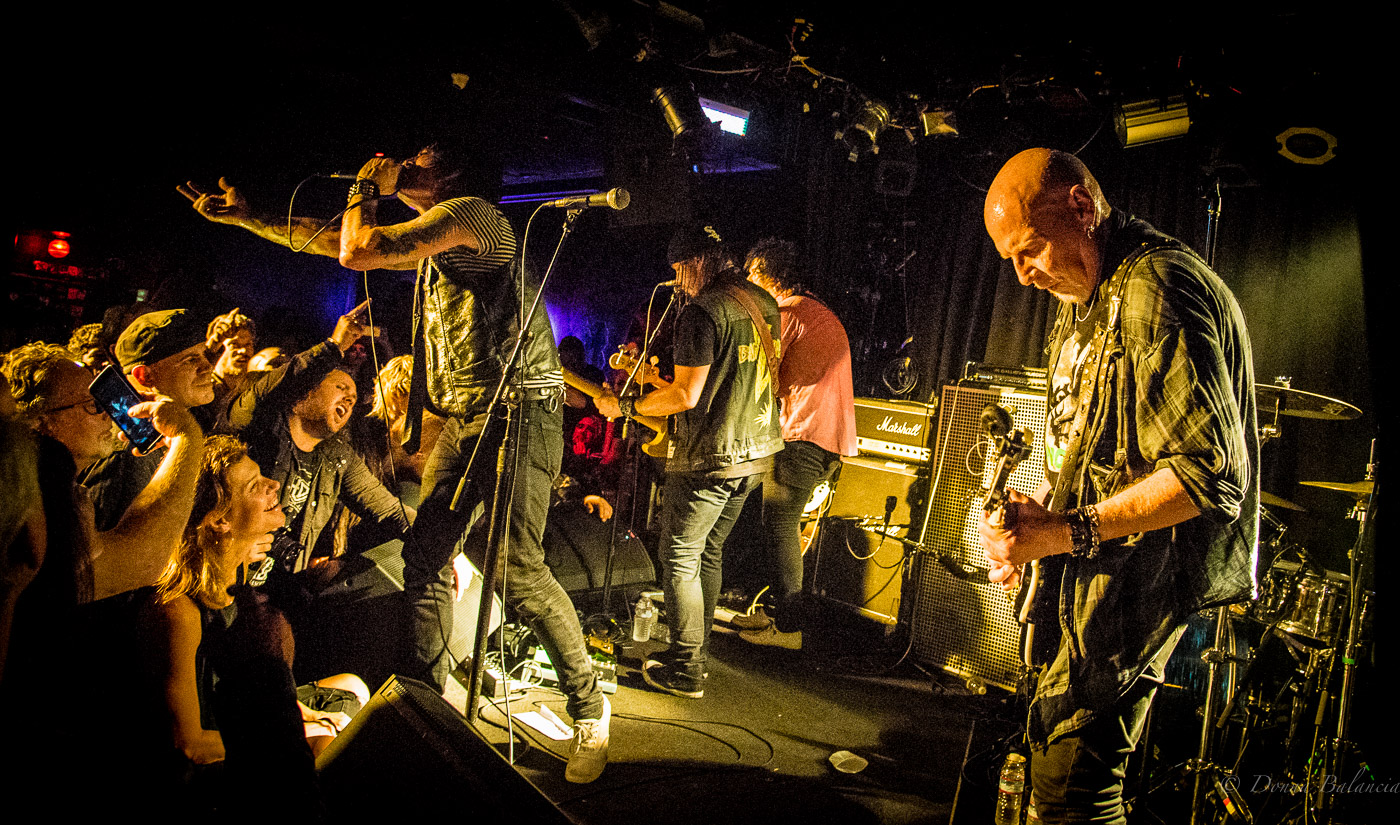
(499, 523)
(636, 460)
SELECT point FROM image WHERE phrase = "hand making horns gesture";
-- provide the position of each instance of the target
(227, 207)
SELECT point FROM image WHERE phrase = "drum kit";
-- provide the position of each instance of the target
(1279, 673)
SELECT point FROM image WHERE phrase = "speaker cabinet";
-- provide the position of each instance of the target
(356, 624)
(966, 627)
(856, 568)
(408, 754)
(576, 549)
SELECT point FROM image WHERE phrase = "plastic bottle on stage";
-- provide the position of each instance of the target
(1011, 790)
(643, 619)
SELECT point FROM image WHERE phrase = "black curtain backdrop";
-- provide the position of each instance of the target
(1288, 247)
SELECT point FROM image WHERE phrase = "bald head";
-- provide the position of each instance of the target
(1042, 211)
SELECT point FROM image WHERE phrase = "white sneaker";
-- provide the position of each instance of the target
(773, 637)
(588, 753)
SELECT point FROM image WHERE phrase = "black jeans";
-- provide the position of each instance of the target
(1079, 778)
(797, 471)
(530, 588)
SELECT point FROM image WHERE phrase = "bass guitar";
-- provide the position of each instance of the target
(657, 446)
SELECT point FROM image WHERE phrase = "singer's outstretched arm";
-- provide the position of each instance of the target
(230, 207)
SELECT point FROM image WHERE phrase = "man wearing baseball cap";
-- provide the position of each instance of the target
(724, 433)
(163, 355)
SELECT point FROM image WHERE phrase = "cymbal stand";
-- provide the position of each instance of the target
(1340, 748)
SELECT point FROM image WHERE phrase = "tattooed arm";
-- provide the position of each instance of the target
(364, 244)
(230, 207)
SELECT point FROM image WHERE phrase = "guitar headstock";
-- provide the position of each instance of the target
(625, 359)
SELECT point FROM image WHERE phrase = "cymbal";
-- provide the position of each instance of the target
(1355, 489)
(1272, 500)
(1300, 404)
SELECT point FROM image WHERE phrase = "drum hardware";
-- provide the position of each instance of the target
(1270, 500)
(1340, 749)
(1282, 399)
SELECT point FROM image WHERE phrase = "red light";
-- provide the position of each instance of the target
(58, 248)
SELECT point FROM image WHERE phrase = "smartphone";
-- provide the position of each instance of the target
(116, 396)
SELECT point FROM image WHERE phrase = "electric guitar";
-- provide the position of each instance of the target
(1013, 446)
(624, 360)
(655, 447)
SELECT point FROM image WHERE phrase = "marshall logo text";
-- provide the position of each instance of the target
(889, 425)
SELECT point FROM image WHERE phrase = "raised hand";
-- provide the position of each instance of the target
(351, 327)
(227, 206)
(384, 172)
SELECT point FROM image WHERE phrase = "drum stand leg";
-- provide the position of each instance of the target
(1212, 779)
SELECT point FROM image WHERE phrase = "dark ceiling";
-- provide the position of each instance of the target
(103, 102)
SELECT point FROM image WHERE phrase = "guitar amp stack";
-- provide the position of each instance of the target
(885, 486)
(965, 626)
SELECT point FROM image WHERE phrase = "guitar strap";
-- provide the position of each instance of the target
(1092, 375)
(756, 315)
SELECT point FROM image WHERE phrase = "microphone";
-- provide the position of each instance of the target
(672, 282)
(615, 198)
(336, 176)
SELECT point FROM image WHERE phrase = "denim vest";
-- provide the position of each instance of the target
(736, 418)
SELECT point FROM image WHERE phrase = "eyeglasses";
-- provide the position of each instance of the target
(89, 406)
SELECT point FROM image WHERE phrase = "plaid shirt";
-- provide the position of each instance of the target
(1176, 390)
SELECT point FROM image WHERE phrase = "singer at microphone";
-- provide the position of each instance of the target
(464, 250)
(613, 198)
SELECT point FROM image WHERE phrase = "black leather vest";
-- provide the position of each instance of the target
(463, 329)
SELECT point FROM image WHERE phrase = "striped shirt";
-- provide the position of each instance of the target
(497, 246)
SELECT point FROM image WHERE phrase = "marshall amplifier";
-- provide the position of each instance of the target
(895, 429)
(861, 569)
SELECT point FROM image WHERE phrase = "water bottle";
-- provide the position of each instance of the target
(1010, 790)
(643, 618)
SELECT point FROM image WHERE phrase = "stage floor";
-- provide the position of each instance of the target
(756, 747)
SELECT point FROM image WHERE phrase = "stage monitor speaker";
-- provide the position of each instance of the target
(853, 567)
(355, 624)
(967, 627)
(408, 753)
(576, 550)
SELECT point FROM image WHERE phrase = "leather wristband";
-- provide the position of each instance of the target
(628, 405)
(364, 186)
(1083, 532)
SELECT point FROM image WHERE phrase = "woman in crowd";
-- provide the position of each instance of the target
(235, 513)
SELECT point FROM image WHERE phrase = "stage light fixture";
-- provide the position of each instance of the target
(680, 108)
(862, 134)
(1141, 122)
(939, 122)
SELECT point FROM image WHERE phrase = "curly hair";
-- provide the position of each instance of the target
(32, 370)
(226, 326)
(389, 385)
(86, 337)
(193, 569)
(777, 264)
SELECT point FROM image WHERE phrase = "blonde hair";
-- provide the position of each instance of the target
(391, 389)
(32, 370)
(193, 570)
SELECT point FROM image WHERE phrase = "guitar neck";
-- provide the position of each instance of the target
(593, 390)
